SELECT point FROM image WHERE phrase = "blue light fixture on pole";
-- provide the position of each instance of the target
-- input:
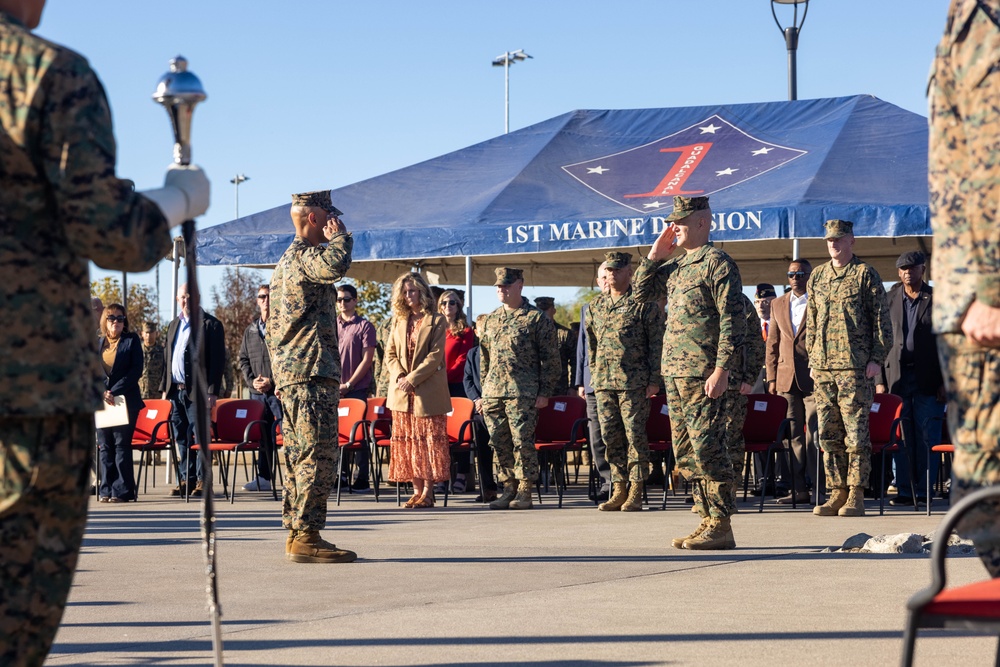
(505, 60)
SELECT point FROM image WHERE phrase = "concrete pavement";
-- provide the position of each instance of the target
(464, 585)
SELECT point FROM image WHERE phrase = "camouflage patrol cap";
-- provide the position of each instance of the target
(545, 302)
(685, 206)
(508, 276)
(836, 229)
(912, 258)
(617, 260)
(316, 199)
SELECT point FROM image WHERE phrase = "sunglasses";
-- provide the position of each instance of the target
(116, 318)
(797, 274)
(261, 297)
(344, 299)
(450, 303)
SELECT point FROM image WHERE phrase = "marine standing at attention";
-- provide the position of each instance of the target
(625, 339)
(302, 340)
(848, 336)
(60, 207)
(705, 327)
(519, 368)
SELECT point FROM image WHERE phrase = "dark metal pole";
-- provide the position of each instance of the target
(792, 43)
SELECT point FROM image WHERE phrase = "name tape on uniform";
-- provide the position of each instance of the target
(760, 406)
(241, 414)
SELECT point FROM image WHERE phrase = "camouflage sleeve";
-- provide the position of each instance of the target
(591, 333)
(105, 220)
(548, 356)
(810, 321)
(652, 320)
(728, 293)
(881, 322)
(484, 353)
(327, 265)
(434, 361)
(755, 351)
(649, 283)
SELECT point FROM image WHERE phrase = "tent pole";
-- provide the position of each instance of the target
(468, 288)
(795, 248)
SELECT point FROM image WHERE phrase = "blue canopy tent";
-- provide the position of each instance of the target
(552, 197)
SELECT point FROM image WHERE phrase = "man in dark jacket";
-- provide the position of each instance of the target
(178, 382)
(255, 364)
(912, 372)
(472, 382)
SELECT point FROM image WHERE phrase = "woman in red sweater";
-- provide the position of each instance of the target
(459, 339)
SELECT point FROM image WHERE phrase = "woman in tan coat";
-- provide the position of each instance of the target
(418, 390)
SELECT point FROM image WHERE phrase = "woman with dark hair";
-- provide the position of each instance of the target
(418, 390)
(459, 339)
(121, 357)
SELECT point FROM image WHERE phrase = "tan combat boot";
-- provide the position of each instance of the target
(855, 505)
(634, 501)
(509, 493)
(836, 500)
(678, 542)
(309, 547)
(716, 536)
(522, 501)
(616, 500)
(288, 543)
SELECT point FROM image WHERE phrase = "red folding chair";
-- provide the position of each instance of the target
(885, 427)
(561, 424)
(661, 440)
(352, 434)
(379, 425)
(944, 449)
(239, 424)
(460, 436)
(972, 607)
(767, 431)
(152, 434)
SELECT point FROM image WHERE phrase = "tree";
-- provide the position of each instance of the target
(568, 313)
(142, 304)
(235, 305)
(374, 300)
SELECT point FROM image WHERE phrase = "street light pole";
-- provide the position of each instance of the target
(240, 178)
(505, 60)
(791, 34)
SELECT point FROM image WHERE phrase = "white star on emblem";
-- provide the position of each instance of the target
(653, 204)
(761, 151)
(726, 172)
(711, 129)
(596, 170)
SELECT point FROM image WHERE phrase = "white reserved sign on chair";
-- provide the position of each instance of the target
(760, 406)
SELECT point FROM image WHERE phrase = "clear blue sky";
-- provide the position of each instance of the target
(311, 94)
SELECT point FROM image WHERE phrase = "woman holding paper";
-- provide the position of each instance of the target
(121, 356)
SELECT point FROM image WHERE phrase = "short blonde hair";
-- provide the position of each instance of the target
(399, 307)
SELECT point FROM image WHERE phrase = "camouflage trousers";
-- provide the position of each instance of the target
(698, 426)
(972, 375)
(843, 403)
(44, 483)
(623, 416)
(736, 414)
(511, 423)
(312, 452)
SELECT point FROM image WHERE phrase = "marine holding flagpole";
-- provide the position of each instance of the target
(61, 205)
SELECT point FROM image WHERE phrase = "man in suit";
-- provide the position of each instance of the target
(913, 373)
(178, 382)
(581, 380)
(787, 367)
(472, 382)
(255, 365)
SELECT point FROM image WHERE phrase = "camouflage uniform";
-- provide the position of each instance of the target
(625, 340)
(302, 340)
(847, 327)
(704, 328)
(519, 363)
(152, 371)
(752, 353)
(964, 181)
(567, 357)
(60, 206)
(381, 371)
